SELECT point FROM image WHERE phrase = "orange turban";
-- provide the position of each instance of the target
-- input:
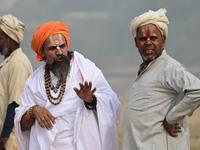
(46, 30)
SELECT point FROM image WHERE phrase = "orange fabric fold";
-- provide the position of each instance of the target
(46, 30)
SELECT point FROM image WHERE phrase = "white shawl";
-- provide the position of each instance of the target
(91, 131)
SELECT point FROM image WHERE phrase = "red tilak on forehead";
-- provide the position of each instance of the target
(148, 31)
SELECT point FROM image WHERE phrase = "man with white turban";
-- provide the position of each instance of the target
(14, 71)
(163, 93)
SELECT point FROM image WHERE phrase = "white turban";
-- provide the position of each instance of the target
(12, 27)
(157, 18)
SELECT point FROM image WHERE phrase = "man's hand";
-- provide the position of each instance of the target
(172, 129)
(85, 92)
(44, 117)
(3, 142)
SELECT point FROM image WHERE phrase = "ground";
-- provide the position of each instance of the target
(194, 124)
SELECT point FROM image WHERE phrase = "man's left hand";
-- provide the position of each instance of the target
(85, 92)
(172, 129)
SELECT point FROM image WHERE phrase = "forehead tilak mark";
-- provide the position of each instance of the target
(148, 32)
(57, 42)
(51, 40)
(61, 38)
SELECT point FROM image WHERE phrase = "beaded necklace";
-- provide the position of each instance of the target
(141, 69)
(48, 87)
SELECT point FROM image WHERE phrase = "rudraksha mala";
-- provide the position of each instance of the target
(48, 87)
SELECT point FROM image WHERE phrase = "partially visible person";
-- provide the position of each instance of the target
(14, 71)
(67, 104)
(163, 93)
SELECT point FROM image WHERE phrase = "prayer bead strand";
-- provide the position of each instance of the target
(48, 87)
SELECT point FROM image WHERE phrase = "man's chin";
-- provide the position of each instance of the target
(3, 53)
(149, 58)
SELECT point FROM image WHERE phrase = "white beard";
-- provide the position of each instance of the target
(5, 50)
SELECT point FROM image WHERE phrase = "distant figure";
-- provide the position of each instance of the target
(14, 71)
(163, 93)
(67, 103)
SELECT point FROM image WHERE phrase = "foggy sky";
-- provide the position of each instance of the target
(100, 31)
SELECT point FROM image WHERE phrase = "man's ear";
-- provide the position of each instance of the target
(42, 54)
(136, 41)
(9, 41)
(163, 40)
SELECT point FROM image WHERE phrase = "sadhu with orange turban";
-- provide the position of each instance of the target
(44, 32)
(64, 106)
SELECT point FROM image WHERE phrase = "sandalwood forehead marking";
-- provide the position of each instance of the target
(58, 42)
(51, 40)
(61, 39)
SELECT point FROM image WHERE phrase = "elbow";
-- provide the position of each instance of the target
(24, 128)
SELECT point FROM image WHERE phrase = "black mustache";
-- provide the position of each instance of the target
(60, 57)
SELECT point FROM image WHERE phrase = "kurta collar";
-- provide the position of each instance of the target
(9, 57)
(142, 69)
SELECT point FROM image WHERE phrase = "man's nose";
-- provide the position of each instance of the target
(148, 41)
(59, 51)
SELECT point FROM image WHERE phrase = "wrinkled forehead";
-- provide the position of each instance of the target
(56, 40)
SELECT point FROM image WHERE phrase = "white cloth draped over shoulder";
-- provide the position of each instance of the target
(76, 127)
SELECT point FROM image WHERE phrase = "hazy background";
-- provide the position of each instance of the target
(99, 29)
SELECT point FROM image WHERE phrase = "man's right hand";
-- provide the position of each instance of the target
(3, 142)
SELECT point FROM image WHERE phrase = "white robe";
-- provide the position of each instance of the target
(76, 127)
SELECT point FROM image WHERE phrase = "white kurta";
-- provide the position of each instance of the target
(76, 127)
(164, 89)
